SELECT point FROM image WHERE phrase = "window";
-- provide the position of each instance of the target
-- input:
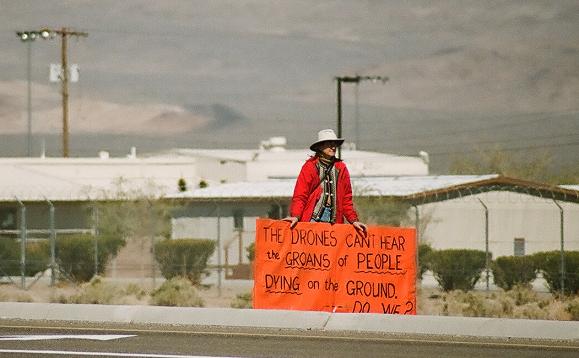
(277, 211)
(7, 218)
(519, 246)
(238, 220)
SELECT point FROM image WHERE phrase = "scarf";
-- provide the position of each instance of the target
(328, 175)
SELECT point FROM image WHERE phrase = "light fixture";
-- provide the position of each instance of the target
(351, 79)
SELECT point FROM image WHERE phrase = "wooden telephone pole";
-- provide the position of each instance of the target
(64, 34)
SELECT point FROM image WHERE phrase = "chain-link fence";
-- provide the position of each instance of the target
(73, 241)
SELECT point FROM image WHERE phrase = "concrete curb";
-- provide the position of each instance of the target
(303, 320)
(457, 326)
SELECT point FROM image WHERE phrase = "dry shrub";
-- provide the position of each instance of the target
(452, 303)
(573, 309)
(473, 304)
(494, 308)
(507, 304)
(97, 292)
(243, 300)
(522, 294)
(23, 297)
(59, 298)
(15, 296)
(529, 311)
(135, 290)
(177, 291)
(557, 311)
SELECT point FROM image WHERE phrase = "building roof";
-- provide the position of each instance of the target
(80, 179)
(279, 163)
(416, 189)
(570, 187)
(83, 179)
(247, 155)
(398, 186)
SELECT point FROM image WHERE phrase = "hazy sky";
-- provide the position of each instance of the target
(260, 68)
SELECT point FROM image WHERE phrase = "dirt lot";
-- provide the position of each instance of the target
(41, 291)
(523, 303)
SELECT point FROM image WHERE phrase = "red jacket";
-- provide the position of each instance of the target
(308, 190)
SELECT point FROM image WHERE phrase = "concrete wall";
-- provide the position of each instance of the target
(215, 170)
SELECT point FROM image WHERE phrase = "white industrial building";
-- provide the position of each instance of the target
(273, 161)
(31, 187)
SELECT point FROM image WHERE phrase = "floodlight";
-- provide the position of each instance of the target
(45, 33)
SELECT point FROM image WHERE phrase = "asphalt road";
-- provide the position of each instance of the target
(25, 339)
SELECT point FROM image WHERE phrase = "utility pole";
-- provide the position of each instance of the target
(64, 33)
(350, 79)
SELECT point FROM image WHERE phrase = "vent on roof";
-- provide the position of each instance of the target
(424, 156)
(274, 144)
(133, 153)
(103, 154)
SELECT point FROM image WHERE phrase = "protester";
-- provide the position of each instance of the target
(323, 191)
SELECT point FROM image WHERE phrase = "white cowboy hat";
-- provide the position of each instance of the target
(326, 135)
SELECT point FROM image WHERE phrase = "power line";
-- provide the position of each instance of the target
(504, 141)
(513, 149)
(502, 125)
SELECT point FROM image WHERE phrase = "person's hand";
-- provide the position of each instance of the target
(361, 228)
(292, 220)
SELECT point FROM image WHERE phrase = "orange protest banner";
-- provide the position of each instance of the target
(323, 267)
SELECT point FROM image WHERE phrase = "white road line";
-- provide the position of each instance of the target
(103, 354)
(41, 337)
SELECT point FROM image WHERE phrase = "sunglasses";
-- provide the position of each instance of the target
(329, 144)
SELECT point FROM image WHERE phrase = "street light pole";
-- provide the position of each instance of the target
(339, 103)
(28, 37)
(29, 98)
(351, 79)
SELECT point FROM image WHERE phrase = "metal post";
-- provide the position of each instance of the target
(52, 243)
(240, 246)
(29, 100)
(487, 258)
(339, 103)
(219, 249)
(152, 233)
(357, 115)
(417, 225)
(22, 244)
(95, 232)
(562, 217)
